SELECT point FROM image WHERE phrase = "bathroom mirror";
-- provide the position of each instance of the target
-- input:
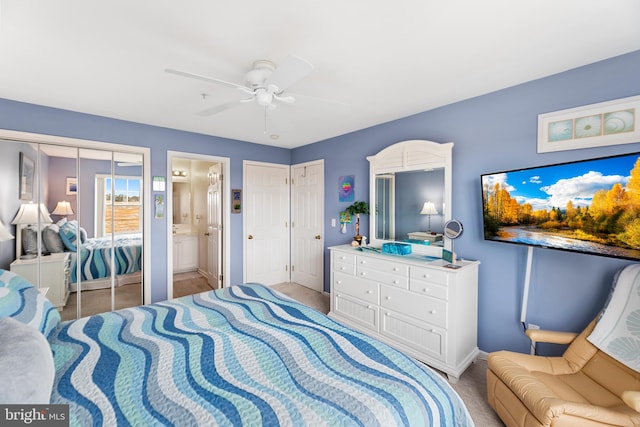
(181, 203)
(410, 195)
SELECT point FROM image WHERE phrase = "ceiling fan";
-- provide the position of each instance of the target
(265, 84)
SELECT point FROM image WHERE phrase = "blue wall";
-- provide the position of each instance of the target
(492, 133)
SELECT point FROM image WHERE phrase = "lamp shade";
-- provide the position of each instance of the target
(31, 213)
(4, 233)
(63, 208)
(429, 209)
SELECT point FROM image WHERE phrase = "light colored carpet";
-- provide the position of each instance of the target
(189, 284)
(99, 301)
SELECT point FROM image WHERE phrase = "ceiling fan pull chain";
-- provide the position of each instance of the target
(265, 121)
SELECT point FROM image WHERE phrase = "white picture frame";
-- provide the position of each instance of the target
(71, 186)
(595, 125)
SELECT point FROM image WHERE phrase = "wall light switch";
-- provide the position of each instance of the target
(333, 222)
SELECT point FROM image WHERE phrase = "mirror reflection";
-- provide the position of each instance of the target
(410, 195)
(181, 203)
(409, 206)
(88, 236)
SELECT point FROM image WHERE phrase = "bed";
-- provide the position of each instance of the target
(243, 355)
(95, 259)
(95, 263)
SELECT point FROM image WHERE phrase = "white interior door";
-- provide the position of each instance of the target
(307, 219)
(266, 223)
(214, 226)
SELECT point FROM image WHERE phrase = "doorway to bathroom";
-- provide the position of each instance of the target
(198, 250)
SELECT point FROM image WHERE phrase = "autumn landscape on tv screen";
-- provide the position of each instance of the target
(591, 206)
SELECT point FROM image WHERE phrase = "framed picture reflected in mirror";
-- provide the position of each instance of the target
(27, 169)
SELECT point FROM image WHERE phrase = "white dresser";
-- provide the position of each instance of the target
(420, 307)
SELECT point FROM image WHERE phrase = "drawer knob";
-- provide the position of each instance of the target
(339, 282)
(388, 314)
(425, 290)
(395, 269)
(363, 273)
(433, 331)
(369, 307)
(396, 282)
(388, 298)
(433, 312)
(426, 276)
(368, 292)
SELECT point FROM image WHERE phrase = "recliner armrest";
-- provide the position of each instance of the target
(632, 399)
(553, 337)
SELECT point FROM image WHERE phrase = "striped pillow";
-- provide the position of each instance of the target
(22, 301)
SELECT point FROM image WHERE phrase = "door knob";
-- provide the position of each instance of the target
(207, 234)
(250, 236)
(318, 237)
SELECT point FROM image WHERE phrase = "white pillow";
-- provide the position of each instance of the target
(26, 364)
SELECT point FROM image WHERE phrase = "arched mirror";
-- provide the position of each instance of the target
(410, 195)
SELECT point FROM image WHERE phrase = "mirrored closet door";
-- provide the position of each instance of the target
(84, 246)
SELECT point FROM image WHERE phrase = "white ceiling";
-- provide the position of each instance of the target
(385, 59)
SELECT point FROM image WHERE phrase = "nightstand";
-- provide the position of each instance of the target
(54, 274)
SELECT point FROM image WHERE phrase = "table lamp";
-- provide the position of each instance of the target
(63, 208)
(429, 209)
(29, 215)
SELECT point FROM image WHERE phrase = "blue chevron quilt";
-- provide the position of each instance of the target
(241, 356)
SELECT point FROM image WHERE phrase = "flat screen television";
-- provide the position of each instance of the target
(589, 206)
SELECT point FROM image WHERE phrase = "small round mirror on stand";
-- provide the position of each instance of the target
(452, 230)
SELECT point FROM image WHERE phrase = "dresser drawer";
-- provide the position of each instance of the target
(429, 275)
(387, 272)
(429, 289)
(384, 278)
(383, 266)
(413, 334)
(425, 308)
(366, 290)
(356, 310)
(343, 267)
(344, 257)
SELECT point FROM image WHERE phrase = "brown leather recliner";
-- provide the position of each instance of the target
(583, 388)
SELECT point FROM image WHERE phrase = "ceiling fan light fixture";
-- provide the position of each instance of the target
(264, 98)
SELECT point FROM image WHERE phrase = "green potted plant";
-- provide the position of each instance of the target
(356, 209)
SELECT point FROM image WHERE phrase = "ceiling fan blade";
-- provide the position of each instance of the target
(222, 107)
(289, 72)
(206, 79)
(338, 107)
(288, 99)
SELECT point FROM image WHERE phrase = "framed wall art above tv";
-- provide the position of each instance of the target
(596, 125)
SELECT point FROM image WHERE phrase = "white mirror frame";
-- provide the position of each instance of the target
(410, 156)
